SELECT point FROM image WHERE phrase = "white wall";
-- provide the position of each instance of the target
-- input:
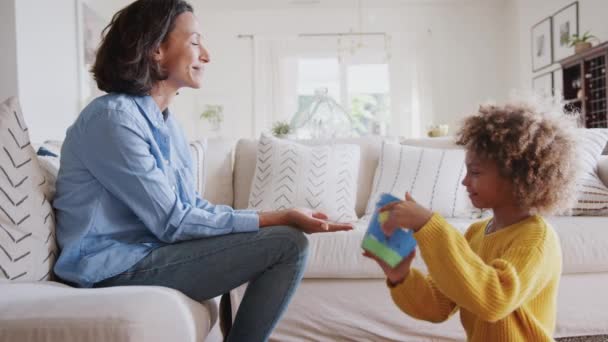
(469, 55)
(592, 17)
(47, 66)
(8, 44)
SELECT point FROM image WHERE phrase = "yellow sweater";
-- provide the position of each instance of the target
(505, 283)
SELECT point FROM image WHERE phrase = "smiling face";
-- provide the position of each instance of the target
(182, 54)
(487, 188)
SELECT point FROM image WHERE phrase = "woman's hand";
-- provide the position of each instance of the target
(306, 220)
(407, 214)
(397, 274)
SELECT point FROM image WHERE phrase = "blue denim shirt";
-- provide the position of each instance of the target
(126, 186)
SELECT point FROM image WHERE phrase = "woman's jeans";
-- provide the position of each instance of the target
(272, 260)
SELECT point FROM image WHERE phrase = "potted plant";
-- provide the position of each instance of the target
(582, 43)
(213, 113)
(281, 129)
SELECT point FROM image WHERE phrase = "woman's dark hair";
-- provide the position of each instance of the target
(125, 58)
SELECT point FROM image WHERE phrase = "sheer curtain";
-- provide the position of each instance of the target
(411, 68)
(275, 81)
(275, 85)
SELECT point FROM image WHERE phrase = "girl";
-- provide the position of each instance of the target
(503, 274)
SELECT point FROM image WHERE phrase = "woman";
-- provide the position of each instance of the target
(127, 209)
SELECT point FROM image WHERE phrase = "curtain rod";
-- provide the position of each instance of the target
(327, 34)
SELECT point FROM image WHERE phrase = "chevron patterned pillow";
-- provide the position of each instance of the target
(433, 177)
(27, 225)
(322, 178)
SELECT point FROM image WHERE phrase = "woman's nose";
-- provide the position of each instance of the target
(204, 55)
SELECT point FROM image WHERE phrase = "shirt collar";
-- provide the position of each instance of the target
(150, 109)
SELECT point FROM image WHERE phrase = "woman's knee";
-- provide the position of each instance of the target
(292, 240)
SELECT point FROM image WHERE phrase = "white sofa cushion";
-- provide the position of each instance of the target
(432, 176)
(592, 193)
(245, 160)
(48, 311)
(27, 226)
(216, 163)
(322, 178)
(584, 243)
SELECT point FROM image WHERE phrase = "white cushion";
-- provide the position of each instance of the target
(48, 157)
(592, 193)
(27, 225)
(584, 243)
(432, 176)
(218, 188)
(245, 160)
(322, 178)
(198, 150)
(48, 311)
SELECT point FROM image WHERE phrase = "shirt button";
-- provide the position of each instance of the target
(173, 187)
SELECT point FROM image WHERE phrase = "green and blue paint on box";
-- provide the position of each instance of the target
(389, 249)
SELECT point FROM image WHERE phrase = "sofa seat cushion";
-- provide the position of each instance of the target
(49, 311)
(584, 242)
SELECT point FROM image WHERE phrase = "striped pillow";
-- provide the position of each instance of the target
(592, 193)
(433, 177)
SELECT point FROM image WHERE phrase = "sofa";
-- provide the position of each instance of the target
(343, 295)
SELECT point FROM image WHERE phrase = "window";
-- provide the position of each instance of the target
(362, 89)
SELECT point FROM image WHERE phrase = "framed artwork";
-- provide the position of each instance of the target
(542, 85)
(542, 55)
(89, 27)
(558, 84)
(565, 24)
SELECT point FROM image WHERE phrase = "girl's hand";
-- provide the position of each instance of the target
(407, 214)
(399, 273)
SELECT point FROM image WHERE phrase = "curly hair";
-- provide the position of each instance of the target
(125, 59)
(536, 150)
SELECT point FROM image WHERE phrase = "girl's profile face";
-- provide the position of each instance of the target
(487, 188)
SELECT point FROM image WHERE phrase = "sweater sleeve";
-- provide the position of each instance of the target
(419, 297)
(490, 291)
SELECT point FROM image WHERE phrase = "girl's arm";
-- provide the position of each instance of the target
(419, 297)
(491, 291)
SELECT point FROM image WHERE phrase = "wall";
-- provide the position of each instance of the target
(592, 17)
(47, 66)
(8, 57)
(466, 38)
(467, 42)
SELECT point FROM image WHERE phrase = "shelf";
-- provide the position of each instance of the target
(587, 72)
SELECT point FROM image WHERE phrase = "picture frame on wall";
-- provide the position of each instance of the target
(542, 52)
(565, 24)
(542, 84)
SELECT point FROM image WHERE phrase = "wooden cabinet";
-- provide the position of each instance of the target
(584, 85)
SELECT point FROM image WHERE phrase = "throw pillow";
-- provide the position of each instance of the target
(592, 193)
(322, 178)
(433, 177)
(27, 225)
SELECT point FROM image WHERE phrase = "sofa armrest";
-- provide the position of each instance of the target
(55, 312)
